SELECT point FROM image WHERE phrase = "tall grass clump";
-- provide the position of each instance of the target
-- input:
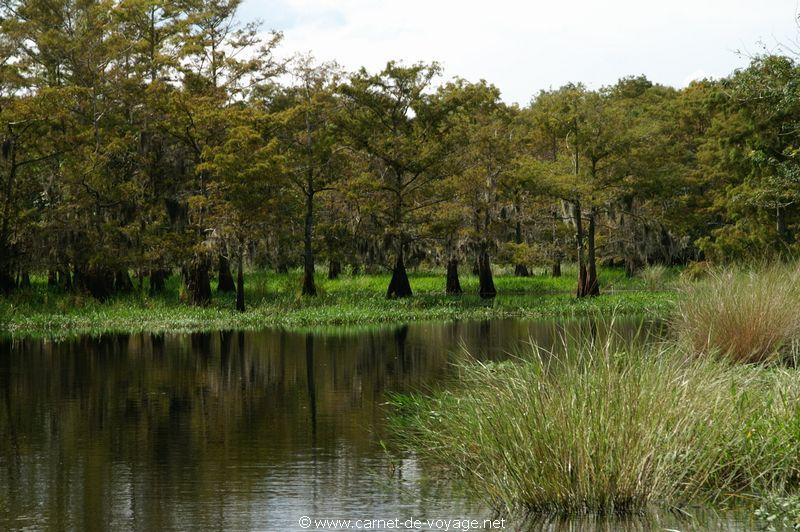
(748, 316)
(654, 276)
(607, 429)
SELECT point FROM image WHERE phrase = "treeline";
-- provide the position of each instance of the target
(144, 137)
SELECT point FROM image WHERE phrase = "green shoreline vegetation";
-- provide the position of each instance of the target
(605, 426)
(275, 300)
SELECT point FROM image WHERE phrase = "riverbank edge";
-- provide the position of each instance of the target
(155, 316)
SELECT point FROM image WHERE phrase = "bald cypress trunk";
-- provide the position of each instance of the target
(577, 216)
(399, 285)
(158, 280)
(555, 270)
(520, 270)
(334, 269)
(225, 279)
(122, 282)
(453, 285)
(309, 289)
(486, 287)
(240, 283)
(198, 284)
(7, 282)
(592, 286)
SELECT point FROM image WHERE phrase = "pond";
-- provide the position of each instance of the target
(240, 430)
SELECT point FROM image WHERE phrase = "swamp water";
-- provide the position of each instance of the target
(243, 430)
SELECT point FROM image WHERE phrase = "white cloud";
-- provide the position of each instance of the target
(523, 47)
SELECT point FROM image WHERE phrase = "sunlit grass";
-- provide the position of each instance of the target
(609, 428)
(747, 315)
(275, 300)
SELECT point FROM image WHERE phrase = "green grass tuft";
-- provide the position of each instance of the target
(610, 428)
(749, 316)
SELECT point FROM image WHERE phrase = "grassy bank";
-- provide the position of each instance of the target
(274, 300)
(710, 414)
(611, 429)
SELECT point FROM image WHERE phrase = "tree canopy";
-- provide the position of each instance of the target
(144, 137)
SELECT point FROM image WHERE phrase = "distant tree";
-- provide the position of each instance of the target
(396, 120)
(315, 157)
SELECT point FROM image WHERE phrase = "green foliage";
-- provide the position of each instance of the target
(141, 136)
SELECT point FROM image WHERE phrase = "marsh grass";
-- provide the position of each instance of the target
(746, 315)
(655, 276)
(609, 428)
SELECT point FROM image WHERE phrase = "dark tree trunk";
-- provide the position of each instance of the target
(240, 282)
(780, 224)
(225, 279)
(198, 284)
(399, 285)
(556, 268)
(309, 289)
(592, 285)
(334, 269)
(7, 282)
(453, 286)
(158, 279)
(486, 287)
(520, 270)
(24, 280)
(64, 279)
(52, 278)
(98, 281)
(122, 282)
(577, 216)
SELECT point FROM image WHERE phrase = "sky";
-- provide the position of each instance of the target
(523, 47)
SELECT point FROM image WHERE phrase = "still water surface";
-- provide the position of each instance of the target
(239, 430)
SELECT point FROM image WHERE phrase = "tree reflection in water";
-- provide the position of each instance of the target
(227, 429)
